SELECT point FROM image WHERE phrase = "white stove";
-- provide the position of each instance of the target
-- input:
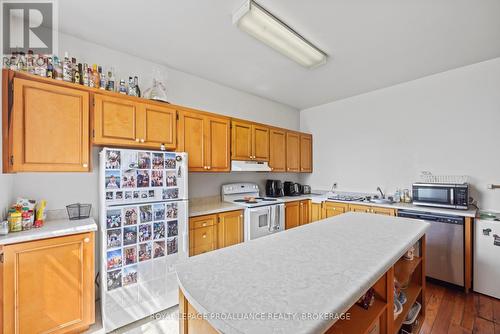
(263, 215)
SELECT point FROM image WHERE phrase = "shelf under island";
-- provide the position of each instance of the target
(307, 280)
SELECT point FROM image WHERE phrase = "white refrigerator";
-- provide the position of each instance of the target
(487, 256)
(143, 232)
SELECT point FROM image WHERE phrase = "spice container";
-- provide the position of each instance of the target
(15, 222)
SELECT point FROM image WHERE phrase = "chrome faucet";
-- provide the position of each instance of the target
(381, 193)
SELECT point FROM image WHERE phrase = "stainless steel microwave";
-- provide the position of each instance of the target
(453, 196)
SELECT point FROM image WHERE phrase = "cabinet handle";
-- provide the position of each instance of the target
(86, 240)
(204, 224)
(142, 140)
(137, 140)
(208, 167)
(204, 236)
(85, 165)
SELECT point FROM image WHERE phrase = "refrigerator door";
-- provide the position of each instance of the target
(486, 257)
(143, 229)
(132, 176)
(141, 244)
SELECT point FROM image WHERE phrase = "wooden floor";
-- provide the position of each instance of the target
(450, 311)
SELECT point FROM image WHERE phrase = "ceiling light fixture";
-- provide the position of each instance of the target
(267, 28)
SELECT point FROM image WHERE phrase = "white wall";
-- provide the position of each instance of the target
(448, 123)
(60, 189)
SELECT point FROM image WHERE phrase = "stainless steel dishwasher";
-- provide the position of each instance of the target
(445, 245)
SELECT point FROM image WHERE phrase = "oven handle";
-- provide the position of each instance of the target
(272, 217)
(452, 196)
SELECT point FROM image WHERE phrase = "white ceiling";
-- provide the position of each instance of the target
(372, 43)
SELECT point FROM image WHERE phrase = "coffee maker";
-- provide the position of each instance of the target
(274, 188)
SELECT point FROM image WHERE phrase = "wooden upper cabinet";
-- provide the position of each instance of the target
(292, 152)
(49, 128)
(161, 126)
(206, 139)
(117, 121)
(241, 141)
(48, 285)
(218, 144)
(260, 142)
(124, 122)
(229, 228)
(249, 141)
(277, 150)
(306, 153)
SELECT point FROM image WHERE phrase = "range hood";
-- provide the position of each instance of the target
(250, 166)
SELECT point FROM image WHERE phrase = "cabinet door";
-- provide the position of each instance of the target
(117, 121)
(161, 126)
(229, 228)
(384, 211)
(218, 144)
(260, 143)
(292, 214)
(277, 150)
(192, 139)
(202, 240)
(316, 212)
(292, 152)
(49, 285)
(360, 208)
(241, 141)
(306, 153)
(331, 209)
(305, 212)
(50, 128)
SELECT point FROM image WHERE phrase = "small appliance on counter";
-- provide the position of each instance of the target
(291, 188)
(306, 189)
(274, 188)
(441, 195)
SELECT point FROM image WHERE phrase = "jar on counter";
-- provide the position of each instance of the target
(15, 222)
(4, 227)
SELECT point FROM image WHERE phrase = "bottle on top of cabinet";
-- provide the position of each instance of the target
(67, 71)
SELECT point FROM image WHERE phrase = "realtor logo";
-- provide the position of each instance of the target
(28, 26)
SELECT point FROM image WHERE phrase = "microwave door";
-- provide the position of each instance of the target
(433, 195)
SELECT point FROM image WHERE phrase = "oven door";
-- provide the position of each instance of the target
(258, 222)
(439, 195)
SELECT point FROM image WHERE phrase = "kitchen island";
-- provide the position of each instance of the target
(306, 280)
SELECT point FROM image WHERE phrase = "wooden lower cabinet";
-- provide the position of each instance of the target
(316, 212)
(47, 286)
(211, 232)
(297, 213)
(331, 209)
(372, 209)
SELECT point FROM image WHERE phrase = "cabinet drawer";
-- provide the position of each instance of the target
(202, 237)
(360, 208)
(202, 221)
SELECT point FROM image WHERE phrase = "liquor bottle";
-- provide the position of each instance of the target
(85, 74)
(50, 68)
(21, 62)
(111, 80)
(131, 88)
(136, 85)
(122, 88)
(76, 76)
(74, 71)
(58, 69)
(41, 66)
(91, 77)
(13, 61)
(67, 70)
(102, 78)
(80, 73)
(95, 76)
(30, 62)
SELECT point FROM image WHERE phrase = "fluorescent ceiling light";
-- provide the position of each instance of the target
(267, 28)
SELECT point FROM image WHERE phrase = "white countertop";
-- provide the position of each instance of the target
(323, 267)
(210, 205)
(54, 227)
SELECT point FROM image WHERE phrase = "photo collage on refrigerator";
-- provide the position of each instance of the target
(140, 176)
(141, 232)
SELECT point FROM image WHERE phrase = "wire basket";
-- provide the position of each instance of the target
(427, 177)
(78, 211)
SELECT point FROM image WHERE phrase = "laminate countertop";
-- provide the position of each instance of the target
(319, 269)
(57, 225)
(210, 205)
